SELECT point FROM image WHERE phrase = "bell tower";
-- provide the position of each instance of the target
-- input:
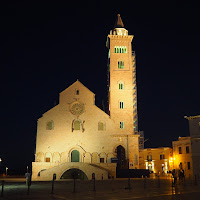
(122, 91)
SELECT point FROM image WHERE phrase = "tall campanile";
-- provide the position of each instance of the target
(122, 91)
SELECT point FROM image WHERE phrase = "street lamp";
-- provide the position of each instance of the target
(6, 171)
(0, 162)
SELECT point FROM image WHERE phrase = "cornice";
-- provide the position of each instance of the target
(192, 117)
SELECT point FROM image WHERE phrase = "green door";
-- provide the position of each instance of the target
(75, 156)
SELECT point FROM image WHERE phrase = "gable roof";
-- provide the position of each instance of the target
(77, 82)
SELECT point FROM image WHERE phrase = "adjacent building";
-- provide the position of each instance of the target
(157, 160)
(194, 129)
(182, 155)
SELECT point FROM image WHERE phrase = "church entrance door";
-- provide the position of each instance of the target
(75, 155)
(121, 157)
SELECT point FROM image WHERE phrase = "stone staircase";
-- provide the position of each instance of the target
(87, 168)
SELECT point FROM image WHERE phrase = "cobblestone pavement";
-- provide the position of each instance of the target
(152, 189)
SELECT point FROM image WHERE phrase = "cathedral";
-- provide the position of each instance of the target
(76, 136)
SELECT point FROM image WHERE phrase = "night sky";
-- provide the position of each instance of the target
(45, 47)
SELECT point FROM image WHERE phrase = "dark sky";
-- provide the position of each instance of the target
(45, 47)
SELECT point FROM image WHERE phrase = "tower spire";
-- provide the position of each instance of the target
(119, 23)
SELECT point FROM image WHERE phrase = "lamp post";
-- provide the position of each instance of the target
(0, 162)
(6, 171)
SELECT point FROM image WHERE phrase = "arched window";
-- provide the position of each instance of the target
(75, 156)
(125, 49)
(101, 126)
(49, 125)
(121, 105)
(117, 49)
(77, 125)
(121, 125)
(120, 49)
(120, 64)
(121, 86)
(77, 92)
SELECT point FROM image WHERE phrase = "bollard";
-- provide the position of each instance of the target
(195, 179)
(28, 189)
(129, 184)
(145, 182)
(158, 182)
(74, 186)
(94, 185)
(52, 187)
(3, 182)
(93, 178)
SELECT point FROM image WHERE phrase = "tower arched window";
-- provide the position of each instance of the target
(121, 125)
(121, 105)
(120, 64)
(121, 86)
(125, 49)
(120, 49)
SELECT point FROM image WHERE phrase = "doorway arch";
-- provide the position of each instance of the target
(121, 157)
(74, 173)
(75, 156)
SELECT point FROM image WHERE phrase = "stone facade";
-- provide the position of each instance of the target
(194, 129)
(182, 155)
(157, 160)
(76, 134)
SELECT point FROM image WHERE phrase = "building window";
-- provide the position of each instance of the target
(162, 156)
(120, 64)
(149, 157)
(121, 105)
(120, 49)
(49, 125)
(77, 125)
(121, 125)
(121, 86)
(101, 126)
(180, 150)
(188, 165)
(77, 92)
(187, 149)
(101, 160)
(47, 159)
